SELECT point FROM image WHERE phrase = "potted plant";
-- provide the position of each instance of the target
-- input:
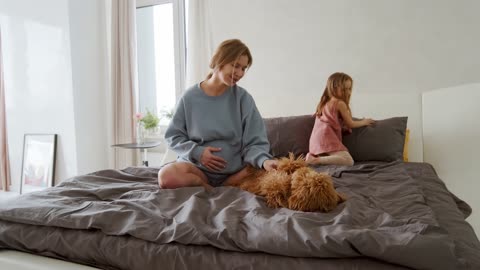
(147, 125)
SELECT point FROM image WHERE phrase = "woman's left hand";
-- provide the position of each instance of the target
(270, 165)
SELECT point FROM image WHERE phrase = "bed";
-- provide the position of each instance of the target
(398, 216)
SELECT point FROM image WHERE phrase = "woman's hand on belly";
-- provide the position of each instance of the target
(211, 161)
(230, 154)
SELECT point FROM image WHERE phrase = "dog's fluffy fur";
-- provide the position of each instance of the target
(293, 185)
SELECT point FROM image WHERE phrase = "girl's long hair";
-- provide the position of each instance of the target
(336, 81)
(227, 52)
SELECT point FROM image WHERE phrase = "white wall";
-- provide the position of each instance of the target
(55, 81)
(38, 79)
(390, 48)
(451, 141)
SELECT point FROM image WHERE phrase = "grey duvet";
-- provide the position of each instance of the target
(397, 216)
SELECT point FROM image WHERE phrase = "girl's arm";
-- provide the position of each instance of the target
(347, 117)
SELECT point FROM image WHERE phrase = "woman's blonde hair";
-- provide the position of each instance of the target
(336, 83)
(227, 52)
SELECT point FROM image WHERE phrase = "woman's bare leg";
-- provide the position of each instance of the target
(334, 158)
(181, 174)
(237, 178)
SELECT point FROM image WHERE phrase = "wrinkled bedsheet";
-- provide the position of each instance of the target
(388, 219)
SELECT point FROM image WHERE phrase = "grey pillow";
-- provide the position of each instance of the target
(382, 141)
(289, 134)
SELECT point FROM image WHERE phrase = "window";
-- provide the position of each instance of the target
(160, 55)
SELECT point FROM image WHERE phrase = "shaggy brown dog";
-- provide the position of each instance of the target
(293, 185)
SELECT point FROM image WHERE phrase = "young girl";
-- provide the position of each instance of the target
(333, 116)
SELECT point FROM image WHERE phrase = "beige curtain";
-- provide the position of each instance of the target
(124, 79)
(4, 163)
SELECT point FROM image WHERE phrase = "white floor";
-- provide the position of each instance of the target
(7, 195)
(15, 260)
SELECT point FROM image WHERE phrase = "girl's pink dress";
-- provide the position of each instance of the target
(327, 132)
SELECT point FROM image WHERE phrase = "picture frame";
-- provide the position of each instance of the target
(38, 163)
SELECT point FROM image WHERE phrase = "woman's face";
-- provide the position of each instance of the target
(231, 73)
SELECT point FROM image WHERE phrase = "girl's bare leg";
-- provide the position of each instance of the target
(334, 158)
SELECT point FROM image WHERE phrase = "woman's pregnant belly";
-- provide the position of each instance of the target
(231, 152)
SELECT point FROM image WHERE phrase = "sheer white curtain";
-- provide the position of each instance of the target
(124, 79)
(199, 48)
(199, 41)
(4, 163)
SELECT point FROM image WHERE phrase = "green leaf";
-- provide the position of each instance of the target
(150, 121)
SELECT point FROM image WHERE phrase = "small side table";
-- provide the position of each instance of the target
(143, 146)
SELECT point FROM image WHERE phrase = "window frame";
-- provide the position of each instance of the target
(178, 39)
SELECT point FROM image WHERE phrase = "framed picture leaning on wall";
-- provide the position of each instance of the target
(38, 165)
